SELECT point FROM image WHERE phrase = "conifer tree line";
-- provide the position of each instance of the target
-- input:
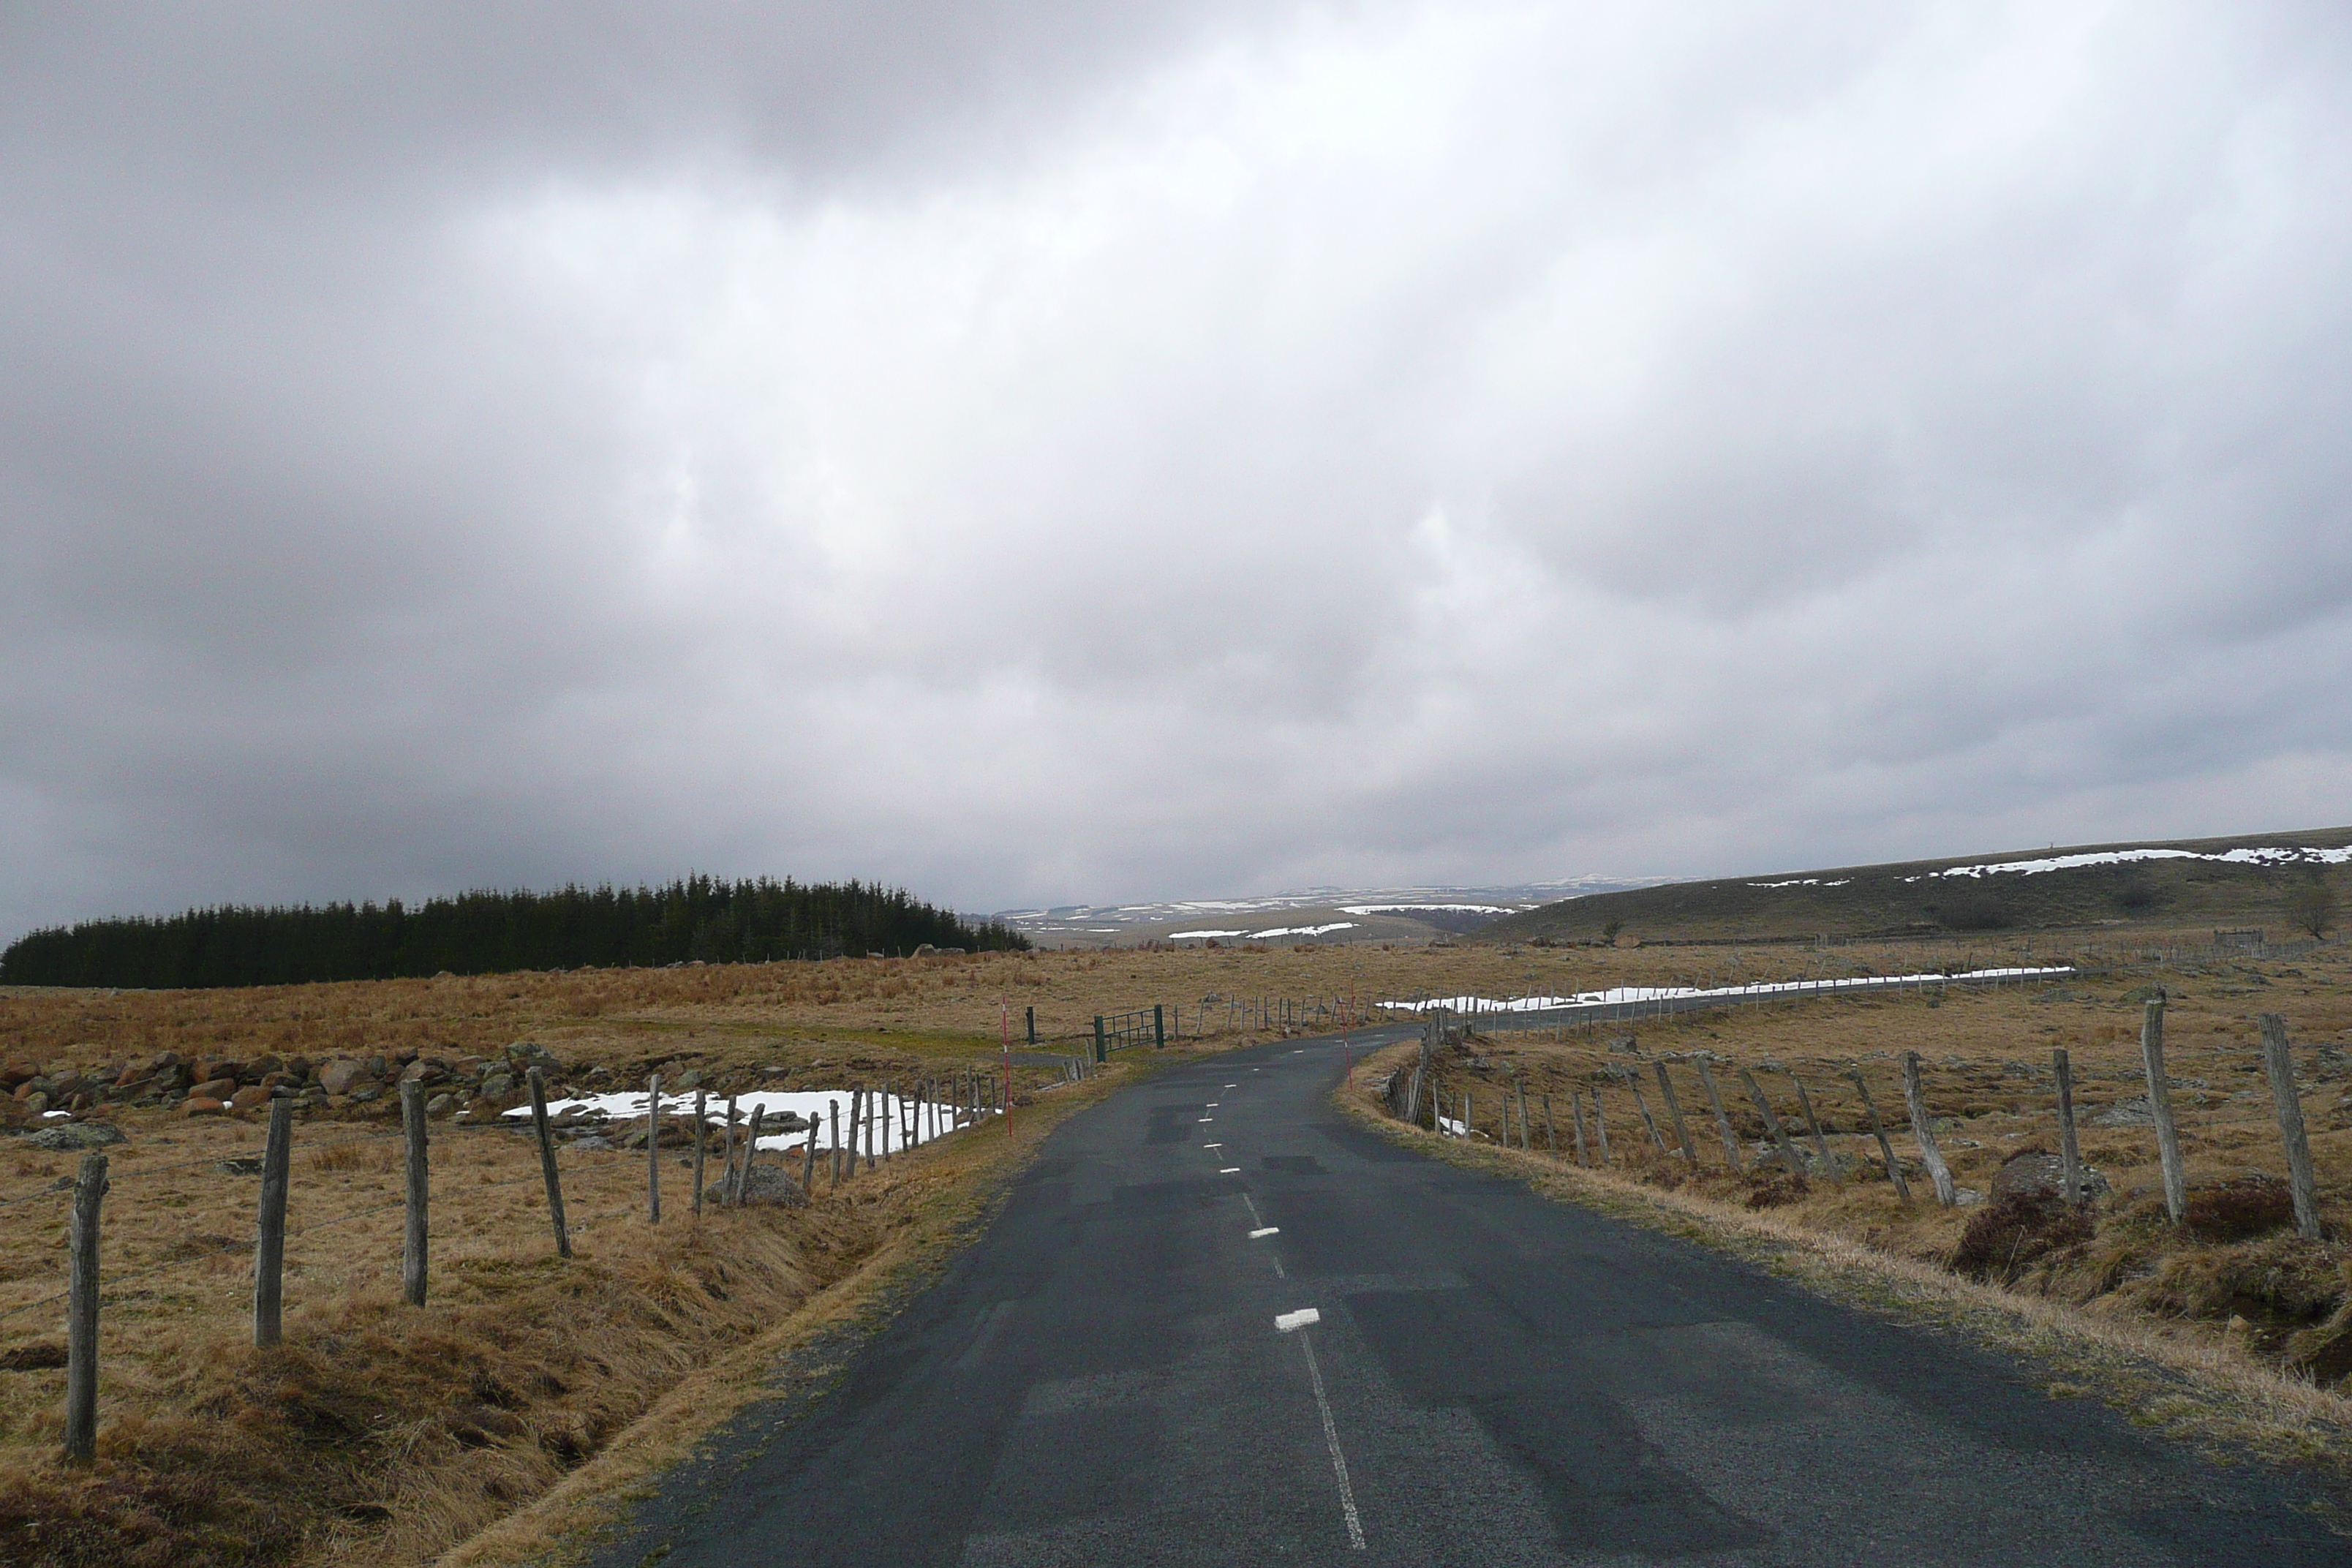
(488, 933)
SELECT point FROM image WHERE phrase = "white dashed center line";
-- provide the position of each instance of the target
(1265, 1230)
(1330, 1431)
(1231, 1170)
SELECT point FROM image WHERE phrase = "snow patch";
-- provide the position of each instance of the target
(1622, 995)
(2282, 856)
(889, 1133)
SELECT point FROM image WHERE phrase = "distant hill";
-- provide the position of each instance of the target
(2223, 880)
(1415, 914)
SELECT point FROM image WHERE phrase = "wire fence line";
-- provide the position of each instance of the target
(1424, 1094)
(876, 1114)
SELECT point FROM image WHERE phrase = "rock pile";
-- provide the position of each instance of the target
(216, 1086)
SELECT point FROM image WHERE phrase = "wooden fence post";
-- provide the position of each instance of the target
(2159, 1106)
(1779, 1134)
(1634, 1082)
(833, 1143)
(413, 1236)
(2070, 1154)
(538, 1086)
(1914, 1097)
(1551, 1137)
(1524, 1141)
(653, 1150)
(1600, 1128)
(270, 1238)
(81, 1312)
(2278, 1062)
(701, 1099)
(741, 1188)
(808, 1162)
(1576, 1110)
(1813, 1122)
(1878, 1130)
(1722, 1118)
(1675, 1113)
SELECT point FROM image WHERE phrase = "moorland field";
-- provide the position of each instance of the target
(381, 1431)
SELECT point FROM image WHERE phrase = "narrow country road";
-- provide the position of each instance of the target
(1218, 1324)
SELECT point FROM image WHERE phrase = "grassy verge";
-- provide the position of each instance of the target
(926, 1207)
(2205, 1391)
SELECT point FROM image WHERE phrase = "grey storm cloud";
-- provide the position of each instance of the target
(1041, 452)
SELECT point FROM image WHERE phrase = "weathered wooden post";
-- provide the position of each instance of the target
(1600, 1128)
(1813, 1123)
(1779, 1133)
(808, 1161)
(1551, 1137)
(1878, 1130)
(2070, 1155)
(81, 1312)
(2278, 1064)
(1914, 1097)
(1722, 1117)
(1576, 1111)
(653, 1150)
(1675, 1113)
(270, 1238)
(833, 1143)
(412, 1252)
(1102, 1047)
(701, 1098)
(537, 1083)
(742, 1189)
(2159, 1106)
(1634, 1082)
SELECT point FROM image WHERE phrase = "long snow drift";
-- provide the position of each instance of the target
(1621, 995)
(888, 1120)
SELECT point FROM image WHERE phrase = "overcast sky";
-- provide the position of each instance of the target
(1044, 452)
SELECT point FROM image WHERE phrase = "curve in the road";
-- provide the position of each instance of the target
(1219, 1324)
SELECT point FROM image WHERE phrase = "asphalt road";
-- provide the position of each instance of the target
(1489, 1379)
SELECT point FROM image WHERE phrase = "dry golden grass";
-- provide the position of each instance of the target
(2253, 1290)
(379, 1433)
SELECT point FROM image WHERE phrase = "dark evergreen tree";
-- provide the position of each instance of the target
(490, 932)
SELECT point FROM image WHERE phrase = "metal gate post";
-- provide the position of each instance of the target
(1102, 1052)
(1158, 1026)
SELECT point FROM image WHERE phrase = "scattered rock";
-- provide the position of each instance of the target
(762, 1184)
(199, 1105)
(343, 1075)
(75, 1135)
(499, 1084)
(2037, 1171)
(2132, 1113)
(252, 1096)
(441, 1105)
